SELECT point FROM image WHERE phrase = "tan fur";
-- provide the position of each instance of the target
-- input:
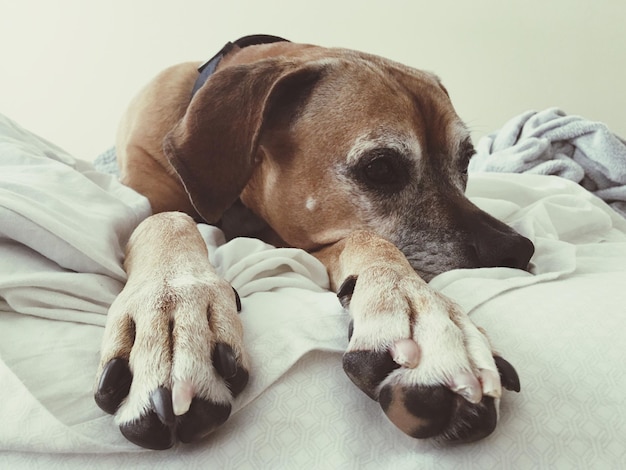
(162, 104)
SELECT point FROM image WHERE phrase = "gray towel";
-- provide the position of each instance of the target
(552, 143)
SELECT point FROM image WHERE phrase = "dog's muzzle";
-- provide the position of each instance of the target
(466, 238)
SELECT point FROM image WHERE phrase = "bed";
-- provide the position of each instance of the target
(63, 226)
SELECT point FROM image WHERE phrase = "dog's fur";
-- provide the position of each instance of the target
(357, 159)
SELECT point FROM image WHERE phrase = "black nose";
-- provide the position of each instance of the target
(497, 245)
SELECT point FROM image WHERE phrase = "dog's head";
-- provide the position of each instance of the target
(322, 142)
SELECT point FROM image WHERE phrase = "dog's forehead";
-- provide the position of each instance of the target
(363, 64)
(362, 81)
(362, 101)
(375, 102)
(381, 74)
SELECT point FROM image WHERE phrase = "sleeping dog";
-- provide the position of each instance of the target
(354, 158)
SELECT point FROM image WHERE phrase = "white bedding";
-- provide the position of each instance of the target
(62, 231)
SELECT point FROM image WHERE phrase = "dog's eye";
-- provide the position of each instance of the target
(380, 171)
(383, 170)
(466, 152)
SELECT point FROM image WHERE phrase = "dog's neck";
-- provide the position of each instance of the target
(208, 68)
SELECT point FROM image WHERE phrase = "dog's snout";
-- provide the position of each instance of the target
(497, 248)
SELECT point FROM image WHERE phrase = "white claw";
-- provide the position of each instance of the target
(182, 394)
(466, 385)
(406, 353)
(490, 381)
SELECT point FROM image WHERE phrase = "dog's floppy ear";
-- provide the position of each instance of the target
(213, 147)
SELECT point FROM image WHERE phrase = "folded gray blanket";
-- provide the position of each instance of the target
(552, 143)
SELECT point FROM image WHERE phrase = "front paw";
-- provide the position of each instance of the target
(172, 361)
(429, 367)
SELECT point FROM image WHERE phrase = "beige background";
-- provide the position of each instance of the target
(68, 67)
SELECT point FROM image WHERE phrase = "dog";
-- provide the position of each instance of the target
(360, 161)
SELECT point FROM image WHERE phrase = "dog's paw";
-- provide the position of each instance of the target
(430, 368)
(172, 359)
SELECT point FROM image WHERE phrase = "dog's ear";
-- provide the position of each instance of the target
(213, 147)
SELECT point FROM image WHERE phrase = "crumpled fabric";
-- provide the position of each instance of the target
(550, 142)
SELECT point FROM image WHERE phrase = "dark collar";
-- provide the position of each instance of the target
(208, 68)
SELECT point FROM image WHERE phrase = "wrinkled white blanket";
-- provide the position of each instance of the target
(63, 227)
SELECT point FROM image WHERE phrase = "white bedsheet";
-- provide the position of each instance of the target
(62, 229)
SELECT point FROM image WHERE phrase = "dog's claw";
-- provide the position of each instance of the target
(508, 374)
(346, 290)
(490, 382)
(182, 394)
(114, 385)
(225, 360)
(466, 385)
(161, 401)
(405, 352)
(237, 299)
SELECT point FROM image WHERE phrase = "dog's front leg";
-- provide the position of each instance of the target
(172, 356)
(411, 349)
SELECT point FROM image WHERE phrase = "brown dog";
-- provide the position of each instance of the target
(357, 159)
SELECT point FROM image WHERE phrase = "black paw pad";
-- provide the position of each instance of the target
(202, 418)
(149, 431)
(473, 422)
(114, 385)
(238, 382)
(419, 411)
(508, 374)
(367, 369)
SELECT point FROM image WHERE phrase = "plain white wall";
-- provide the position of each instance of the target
(68, 67)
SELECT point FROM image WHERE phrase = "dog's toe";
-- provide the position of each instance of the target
(149, 431)
(203, 417)
(114, 385)
(237, 382)
(419, 411)
(227, 365)
(225, 360)
(367, 369)
(155, 427)
(472, 421)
